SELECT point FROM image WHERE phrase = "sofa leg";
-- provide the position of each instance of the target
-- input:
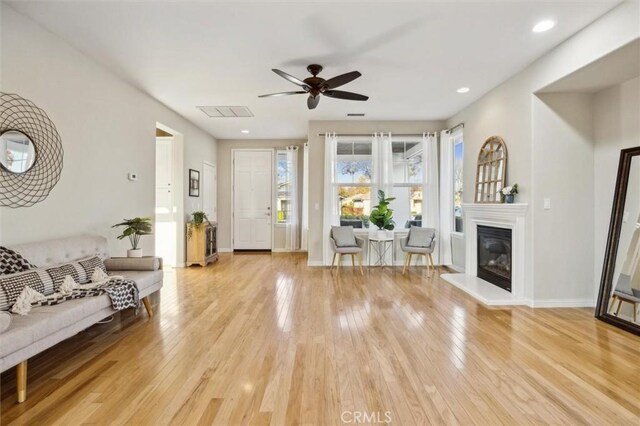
(21, 381)
(147, 305)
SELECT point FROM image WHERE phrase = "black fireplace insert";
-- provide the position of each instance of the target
(494, 256)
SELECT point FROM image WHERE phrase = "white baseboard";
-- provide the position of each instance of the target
(225, 250)
(456, 268)
(315, 263)
(563, 303)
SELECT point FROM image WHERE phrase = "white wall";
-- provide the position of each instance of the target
(224, 184)
(562, 157)
(316, 165)
(107, 129)
(616, 126)
(509, 111)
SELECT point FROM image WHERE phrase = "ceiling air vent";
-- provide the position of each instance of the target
(226, 111)
(355, 114)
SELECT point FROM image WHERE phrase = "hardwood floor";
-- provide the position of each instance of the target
(263, 339)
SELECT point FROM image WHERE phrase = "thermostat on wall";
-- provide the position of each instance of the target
(132, 176)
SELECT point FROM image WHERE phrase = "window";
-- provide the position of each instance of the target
(284, 187)
(458, 156)
(408, 178)
(354, 170)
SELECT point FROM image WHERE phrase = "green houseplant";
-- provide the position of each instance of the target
(134, 229)
(381, 215)
(197, 219)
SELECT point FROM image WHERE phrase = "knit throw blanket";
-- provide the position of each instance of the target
(123, 294)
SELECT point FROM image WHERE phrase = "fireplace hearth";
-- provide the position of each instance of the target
(495, 256)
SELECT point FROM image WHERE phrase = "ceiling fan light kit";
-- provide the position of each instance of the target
(316, 86)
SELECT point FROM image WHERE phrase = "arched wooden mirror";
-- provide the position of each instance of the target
(492, 168)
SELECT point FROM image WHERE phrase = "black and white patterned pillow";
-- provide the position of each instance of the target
(91, 264)
(13, 285)
(11, 262)
(58, 273)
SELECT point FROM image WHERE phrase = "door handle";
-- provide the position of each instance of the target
(267, 214)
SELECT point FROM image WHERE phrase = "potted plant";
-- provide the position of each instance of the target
(134, 229)
(381, 215)
(197, 219)
(509, 193)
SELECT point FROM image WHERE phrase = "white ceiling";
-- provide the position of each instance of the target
(413, 55)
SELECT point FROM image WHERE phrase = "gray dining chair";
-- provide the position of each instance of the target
(420, 242)
(344, 242)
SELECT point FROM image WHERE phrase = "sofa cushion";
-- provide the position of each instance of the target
(45, 320)
(12, 285)
(5, 321)
(11, 262)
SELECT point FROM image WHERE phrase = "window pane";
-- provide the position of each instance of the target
(354, 162)
(355, 205)
(284, 187)
(407, 162)
(458, 155)
(407, 207)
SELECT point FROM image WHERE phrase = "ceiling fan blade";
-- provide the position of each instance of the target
(340, 80)
(292, 79)
(272, 95)
(313, 101)
(339, 94)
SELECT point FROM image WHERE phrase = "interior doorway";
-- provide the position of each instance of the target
(252, 199)
(169, 211)
(209, 190)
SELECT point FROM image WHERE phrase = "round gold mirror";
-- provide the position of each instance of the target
(17, 152)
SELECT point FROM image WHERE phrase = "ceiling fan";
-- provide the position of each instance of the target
(316, 86)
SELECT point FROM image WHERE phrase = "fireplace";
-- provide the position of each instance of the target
(494, 256)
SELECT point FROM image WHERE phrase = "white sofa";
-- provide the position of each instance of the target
(46, 326)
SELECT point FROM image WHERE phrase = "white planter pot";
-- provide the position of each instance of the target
(134, 252)
(381, 233)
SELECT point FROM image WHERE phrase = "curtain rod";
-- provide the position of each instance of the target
(371, 134)
(451, 129)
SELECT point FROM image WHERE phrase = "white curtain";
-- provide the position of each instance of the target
(292, 239)
(446, 197)
(430, 200)
(304, 243)
(382, 165)
(331, 214)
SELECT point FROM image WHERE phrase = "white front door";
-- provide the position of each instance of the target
(252, 189)
(165, 227)
(209, 190)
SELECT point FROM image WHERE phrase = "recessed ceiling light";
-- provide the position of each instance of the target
(543, 26)
(246, 132)
(463, 90)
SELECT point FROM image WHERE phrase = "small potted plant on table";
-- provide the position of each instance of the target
(381, 215)
(134, 229)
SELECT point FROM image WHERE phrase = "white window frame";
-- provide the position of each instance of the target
(369, 185)
(457, 134)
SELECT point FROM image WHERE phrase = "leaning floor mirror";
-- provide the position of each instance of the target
(619, 297)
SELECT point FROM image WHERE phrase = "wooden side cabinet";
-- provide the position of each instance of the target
(202, 247)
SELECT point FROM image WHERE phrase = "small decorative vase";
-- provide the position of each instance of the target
(509, 198)
(134, 252)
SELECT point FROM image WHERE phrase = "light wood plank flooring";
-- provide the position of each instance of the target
(263, 339)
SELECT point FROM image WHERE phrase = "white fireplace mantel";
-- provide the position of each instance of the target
(507, 216)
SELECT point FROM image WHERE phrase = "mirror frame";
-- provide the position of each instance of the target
(611, 253)
(493, 195)
(35, 151)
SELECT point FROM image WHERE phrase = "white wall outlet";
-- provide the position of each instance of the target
(547, 203)
(132, 176)
(625, 216)
(317, 206)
